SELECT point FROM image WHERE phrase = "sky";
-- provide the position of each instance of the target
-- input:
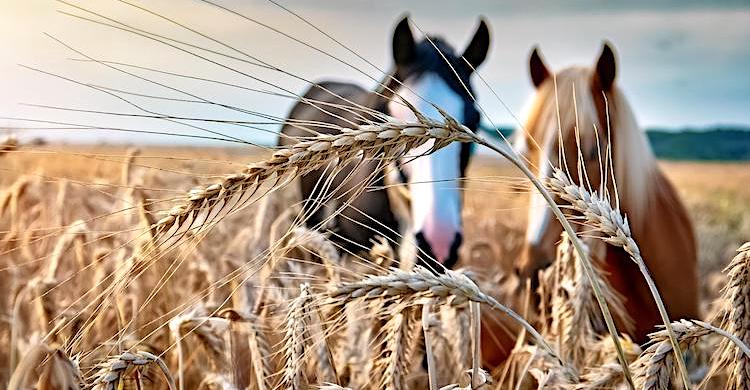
(681, 63)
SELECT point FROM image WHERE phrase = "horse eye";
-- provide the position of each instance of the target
(592, 155)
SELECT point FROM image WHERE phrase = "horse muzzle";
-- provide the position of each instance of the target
(426, 256)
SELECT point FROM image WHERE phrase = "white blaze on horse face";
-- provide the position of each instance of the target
(540, 214)
(433, 178)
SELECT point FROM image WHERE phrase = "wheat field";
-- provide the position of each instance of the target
(129, 266)
(99, 296)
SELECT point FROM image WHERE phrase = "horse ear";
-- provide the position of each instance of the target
(537, 68)
(404, 47)
(476, 51)
(606, 67)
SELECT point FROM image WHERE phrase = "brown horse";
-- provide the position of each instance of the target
(585, 110)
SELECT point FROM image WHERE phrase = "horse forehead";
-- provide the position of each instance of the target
(433, 53)
(564, 102)
(430, 89)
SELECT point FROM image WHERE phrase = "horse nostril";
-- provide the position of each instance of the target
(426, 257)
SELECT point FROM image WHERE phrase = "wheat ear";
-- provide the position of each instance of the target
(388, 140)
(456, 332)
(451, 285)
(576, 313)
(399, 337)
(585, 261)
(736, 312)
(295, 340)
(653, 369)
(600, 215)
(110, 375)
(209, 331)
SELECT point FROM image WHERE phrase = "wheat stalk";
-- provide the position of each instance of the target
(317, 243)
(600, 215)
(428, 328)
(261, 356)
(127, 165)
(208, 330)
(479, 381)
(332, 386)
(585, 261)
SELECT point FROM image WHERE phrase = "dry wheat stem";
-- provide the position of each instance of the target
(207, 329)
(585, 262)
(600, 215)
(476, 338)
(485, 378)
(421, 282)
(427, 325)
(262, 365)
(332, 386)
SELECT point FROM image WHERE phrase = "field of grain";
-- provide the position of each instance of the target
(96, 297)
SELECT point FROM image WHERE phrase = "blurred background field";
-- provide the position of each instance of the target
(716, 194)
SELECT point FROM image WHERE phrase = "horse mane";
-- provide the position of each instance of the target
(635, 167)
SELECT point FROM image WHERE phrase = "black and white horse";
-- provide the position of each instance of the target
(422, 76)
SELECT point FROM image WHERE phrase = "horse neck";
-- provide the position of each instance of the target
(647, 197)
(637, 175)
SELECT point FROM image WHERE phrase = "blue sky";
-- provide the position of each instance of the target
(682, 63)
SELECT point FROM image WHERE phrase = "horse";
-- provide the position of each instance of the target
(584, 109)
(424, 73)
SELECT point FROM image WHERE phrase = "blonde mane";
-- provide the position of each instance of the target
(566, 102)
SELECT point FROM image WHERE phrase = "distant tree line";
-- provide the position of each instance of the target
(708, 144)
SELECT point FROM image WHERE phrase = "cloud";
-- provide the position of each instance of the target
(681, 62)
